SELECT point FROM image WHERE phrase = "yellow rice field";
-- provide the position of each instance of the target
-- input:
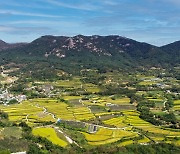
(50, 134)
(105, 136)
(118, 122)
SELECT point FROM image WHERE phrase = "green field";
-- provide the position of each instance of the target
(12, 132)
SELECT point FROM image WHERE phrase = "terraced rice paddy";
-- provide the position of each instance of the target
(103, 101)
(132, 118)
(176, 105)
(147, 83)
(63, 111)
(42, 117)
(44, 110)
(19, 112)
(144, 140)
(124, 125)
(72, 97)
(118, 101)
(106, 136)
(75, 83)
(58, 109)
(106, 113)
(81, 113)
(50, 134)
(117, 122)
(91, 88)
(125, 143)
(93, 102)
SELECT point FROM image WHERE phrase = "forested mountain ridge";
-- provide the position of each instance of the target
(172, 47)
(5, 46)
(102, 45)
(111, 51)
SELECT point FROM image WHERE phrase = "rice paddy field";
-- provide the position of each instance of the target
(155, 133)
(106, 113)
(19, 112)
(148, 80)
(37, 111)
(126, 143)
(92, 88)
(117, 122)
(72, 97)
(75, 83)
(121, 128)
(93, 111)
(144, 140)
(117, 101)
(176, 105)
(50, 134)
(106, 136)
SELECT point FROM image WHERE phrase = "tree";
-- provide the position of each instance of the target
(13, 101)
(34, 149)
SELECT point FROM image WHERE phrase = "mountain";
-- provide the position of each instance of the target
(62, 46)
(5, 46)
(172, 47)
(93, 51)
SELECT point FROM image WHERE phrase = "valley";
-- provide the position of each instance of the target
(90, 110)
(89, 77)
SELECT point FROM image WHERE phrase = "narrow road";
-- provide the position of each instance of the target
(46, 112)
(100, 126)
(67, 138)
(165, 103)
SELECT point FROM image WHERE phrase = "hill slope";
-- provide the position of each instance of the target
(172, 47)
(5, 46)
(80, 51)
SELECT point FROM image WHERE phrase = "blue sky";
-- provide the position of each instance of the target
(153, 21)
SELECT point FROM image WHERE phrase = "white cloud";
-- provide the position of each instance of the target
(44, 22)
(82, 6)
(28, 4)
(5, 28)
(24, 30)
(14, 12)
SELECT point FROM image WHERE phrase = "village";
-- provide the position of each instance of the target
(94, 108)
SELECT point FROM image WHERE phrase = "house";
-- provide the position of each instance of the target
(110, 104)
(47, 88)
(21, 98)
(92, 128)
(58, 120)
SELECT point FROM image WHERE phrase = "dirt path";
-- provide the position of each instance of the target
(27, 120)
(100, 126)
(67, 138)
(80, 101)
(46, 111)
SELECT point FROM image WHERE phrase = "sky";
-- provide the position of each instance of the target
(153, 21)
